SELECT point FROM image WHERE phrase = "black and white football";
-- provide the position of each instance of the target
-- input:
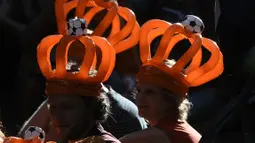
(33, 132)
(193, 24)
(77, 27)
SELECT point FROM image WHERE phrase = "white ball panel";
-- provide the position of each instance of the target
(79, 32)
(77, 24)
(189, 28)
(186, 22)
(70, 31)
(27, 135)
(197, 29)
(191, 17)
(70, 23)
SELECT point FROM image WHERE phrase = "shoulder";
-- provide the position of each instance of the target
(181, 132)
(109, 138)
(150, 135)
(194, 135)
(124, 111)
(120, 102)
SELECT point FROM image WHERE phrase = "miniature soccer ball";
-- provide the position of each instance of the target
(193, 24)
(33, 132)
(77, 27)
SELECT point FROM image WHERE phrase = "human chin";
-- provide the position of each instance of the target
(77, 131)
(143, 111)
(64, 132)
(68, 133)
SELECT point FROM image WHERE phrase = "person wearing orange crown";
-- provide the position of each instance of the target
(163, 84)
(76, 96)
(125, 118)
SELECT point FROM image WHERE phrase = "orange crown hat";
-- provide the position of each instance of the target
(177, 78)
(12, 139)
(121, 39)
(61, 81)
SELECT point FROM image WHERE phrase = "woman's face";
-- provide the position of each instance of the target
(69, 115)
(150, 102)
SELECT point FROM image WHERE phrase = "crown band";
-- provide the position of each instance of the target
(65, 87)
(155, 76)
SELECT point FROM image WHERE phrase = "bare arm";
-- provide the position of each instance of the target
(40, 118)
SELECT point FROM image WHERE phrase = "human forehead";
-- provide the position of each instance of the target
(144, 87)
(59, 99)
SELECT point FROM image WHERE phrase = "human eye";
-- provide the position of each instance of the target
(150, 92)
(66, 106)
(138, 90)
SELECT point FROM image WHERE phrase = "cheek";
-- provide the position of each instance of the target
(157, 105)
(67, 116)
(81, 116)
(154, 105)
(141, 99)
(73, 113)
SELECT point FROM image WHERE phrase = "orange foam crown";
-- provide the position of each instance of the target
(121, 39)
(61, 81)
(12, 139)
(177, 78)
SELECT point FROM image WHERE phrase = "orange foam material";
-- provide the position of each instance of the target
(177, 78)
(121, 39)
(60, 81)
(13, 139)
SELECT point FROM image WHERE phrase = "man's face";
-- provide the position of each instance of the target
(70, 115)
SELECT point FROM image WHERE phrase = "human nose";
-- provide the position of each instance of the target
(140, 98)
(57, 114)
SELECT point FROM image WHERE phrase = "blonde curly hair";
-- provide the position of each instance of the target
(2, 135)
(183, 105)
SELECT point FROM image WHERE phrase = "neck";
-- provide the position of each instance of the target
(96, 130)
(168, 119)
(153, 122)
